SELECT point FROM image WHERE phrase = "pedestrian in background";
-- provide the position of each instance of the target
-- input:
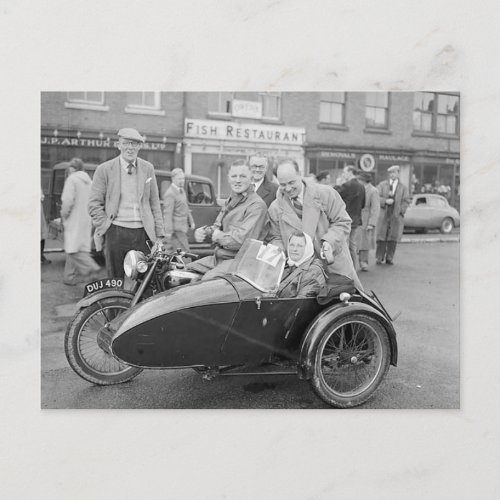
(124, 203)
(44, 232)
(369, 217)
(324, 177)
(262, 185)
(77, 224)
(176, 214)
(353, 194)
(394, 200)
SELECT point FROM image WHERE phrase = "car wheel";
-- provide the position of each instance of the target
(446, 225)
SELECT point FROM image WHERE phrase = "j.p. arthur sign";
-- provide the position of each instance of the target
(95, 143)
(251, 132)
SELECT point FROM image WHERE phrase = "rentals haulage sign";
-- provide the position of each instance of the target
(250, 132)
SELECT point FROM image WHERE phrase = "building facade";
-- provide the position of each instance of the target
(203, 132)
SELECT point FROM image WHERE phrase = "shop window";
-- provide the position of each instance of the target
(220, 102)
(144, 103)
(436, 113)
(271, 105)
(377, 110)
(332, 108)
(86, 100)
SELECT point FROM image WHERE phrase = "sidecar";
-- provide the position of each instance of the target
(343, 344)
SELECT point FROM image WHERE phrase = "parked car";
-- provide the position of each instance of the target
(431, 211)
(199, 190)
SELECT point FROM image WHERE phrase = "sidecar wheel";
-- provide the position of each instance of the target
(84, 354)
(350, 361)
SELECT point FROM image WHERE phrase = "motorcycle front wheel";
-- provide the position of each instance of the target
(350, 361)
(84, 354)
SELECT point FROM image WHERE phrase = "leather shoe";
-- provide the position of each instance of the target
(389, 262)
(378, 261)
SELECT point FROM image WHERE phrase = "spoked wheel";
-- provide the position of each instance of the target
(350, 361)
(83, 352)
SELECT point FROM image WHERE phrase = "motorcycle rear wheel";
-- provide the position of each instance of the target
(351, 360)
(82, 350)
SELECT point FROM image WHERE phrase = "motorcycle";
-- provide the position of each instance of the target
(341, 341)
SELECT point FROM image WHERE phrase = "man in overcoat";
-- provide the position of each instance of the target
(353, 194)
(176, 214)
(262, 185)
(317, 210)
(124, 203)
(394, 200)
(369, 217)
(242, 217)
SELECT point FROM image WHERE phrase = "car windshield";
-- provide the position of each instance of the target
(260, 265)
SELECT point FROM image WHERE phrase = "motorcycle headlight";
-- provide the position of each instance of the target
(134, 263)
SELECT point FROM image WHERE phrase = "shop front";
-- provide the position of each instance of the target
(96, 147)
(210, 146)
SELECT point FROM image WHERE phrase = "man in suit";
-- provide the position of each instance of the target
(242, 217)
(353, 194)
(176, 214)
(316, 210)
(124, 203)
(394, 200)
(262, 185)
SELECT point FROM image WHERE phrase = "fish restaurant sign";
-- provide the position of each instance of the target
(251, 132)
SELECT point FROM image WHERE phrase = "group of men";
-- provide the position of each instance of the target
(124, 205)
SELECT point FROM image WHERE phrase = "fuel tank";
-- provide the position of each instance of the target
(183, 326)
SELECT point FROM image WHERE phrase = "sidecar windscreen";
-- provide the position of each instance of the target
(260, 265)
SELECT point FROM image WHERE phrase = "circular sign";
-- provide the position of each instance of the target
(367, 162)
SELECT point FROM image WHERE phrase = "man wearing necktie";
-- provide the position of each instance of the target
(394, 200)
(176, 214)
(124, 203)
(262, 185)
(316, 210)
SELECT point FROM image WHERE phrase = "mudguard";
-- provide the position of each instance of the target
(96, 296)
(316, 329)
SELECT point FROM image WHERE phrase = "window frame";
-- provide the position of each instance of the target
(279, 96)
(85, 103)
(144, 109)
(379, 128)
(434, 116)
(332, 124)
(218, 112)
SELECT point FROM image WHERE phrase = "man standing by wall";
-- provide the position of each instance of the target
(124, 203)
(394, 200)
(316, 210)
(242, 217)
(262, 185)
(353, 194)
(176, 214)
(369, 216)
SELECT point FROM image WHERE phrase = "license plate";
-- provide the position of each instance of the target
(104, 284)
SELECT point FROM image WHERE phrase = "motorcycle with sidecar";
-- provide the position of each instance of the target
(341, 341)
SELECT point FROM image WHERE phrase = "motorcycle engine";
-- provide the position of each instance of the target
(178, 277)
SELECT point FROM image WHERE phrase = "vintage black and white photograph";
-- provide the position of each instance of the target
(250, 250)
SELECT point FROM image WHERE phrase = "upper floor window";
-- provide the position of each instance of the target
(220, 102)
(332, 108)
(86, 100)
(271, 105)
(436, 113)
(377, 110)
(144, 103)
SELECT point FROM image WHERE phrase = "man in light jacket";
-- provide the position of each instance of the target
(77, 224)
(176, 214)
(369, 216)
(318, 211)
(124, 203)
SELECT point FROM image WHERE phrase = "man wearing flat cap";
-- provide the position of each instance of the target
(394, 200)
(262, 185)
(124, 203)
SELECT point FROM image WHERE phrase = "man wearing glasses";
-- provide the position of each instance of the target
(124, 203)
(262, 185)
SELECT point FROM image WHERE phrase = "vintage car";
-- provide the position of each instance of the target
(199, 190)
(342, 341)
(431, 211)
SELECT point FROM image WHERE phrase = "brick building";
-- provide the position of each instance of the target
(204, 131)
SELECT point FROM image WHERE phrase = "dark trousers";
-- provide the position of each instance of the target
(385, 250)
(119, 240)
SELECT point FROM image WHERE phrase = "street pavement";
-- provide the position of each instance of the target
(423, 286)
